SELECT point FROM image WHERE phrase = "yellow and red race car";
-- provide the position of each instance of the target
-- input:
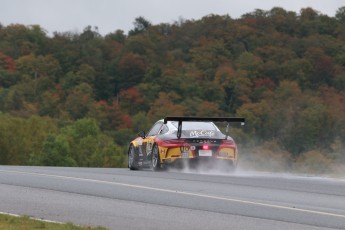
(177, 140)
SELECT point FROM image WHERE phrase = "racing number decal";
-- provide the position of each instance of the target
(184, 148)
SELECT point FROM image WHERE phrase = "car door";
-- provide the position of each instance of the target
(148, 141)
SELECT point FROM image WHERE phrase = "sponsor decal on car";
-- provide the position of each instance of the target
(139, 141)
(201, 133)
(149, 147)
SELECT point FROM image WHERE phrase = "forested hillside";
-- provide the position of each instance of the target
(77, 99)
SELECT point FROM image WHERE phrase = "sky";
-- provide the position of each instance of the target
(112, 15)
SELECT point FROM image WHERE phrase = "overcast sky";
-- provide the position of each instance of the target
(111, 15)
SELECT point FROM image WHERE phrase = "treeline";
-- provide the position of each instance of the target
(40, 141)
(77, 99)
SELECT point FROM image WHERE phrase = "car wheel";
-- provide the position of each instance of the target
(155, 160)
(131, 158)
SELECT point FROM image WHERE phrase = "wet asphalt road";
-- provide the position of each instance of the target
(124, 199)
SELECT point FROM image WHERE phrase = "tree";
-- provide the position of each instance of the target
(36, 66)
(131, 101)
(49, 104)
(110, 115)
(79, 101)
(89, 147)
(141, 45)
(311, 128)
(283, 21)
(90, 48)
(20, 137)
(208, 55)
(19, 40)
(308, 14)
(7, 63)
(56, 151)
(250, 63)
(322, 66)
(340, 14)
(8, 78)
(65, 49)
(140, 25)
(131, 71)
(274, 53)
(164, 106)
(85, 74)
(11, 99)
(117, 36)
(309, 21)
(80, 144)
(238, 89)
(298, 69)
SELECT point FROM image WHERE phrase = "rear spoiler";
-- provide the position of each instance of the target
(207, 119)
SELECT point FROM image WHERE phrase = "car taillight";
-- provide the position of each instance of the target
(205, 147)
(228, 142)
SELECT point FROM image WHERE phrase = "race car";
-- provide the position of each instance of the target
(181, 140)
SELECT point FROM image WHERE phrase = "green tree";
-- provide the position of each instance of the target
(250, 63)
(79, 144)
(55, 152)
(283, 21)
(19, 137)
(90, 148)
(79, 101)
(140, 25)
(11, 99)
(340, 14)
(19, 40)
(38, 66)
(49, 104)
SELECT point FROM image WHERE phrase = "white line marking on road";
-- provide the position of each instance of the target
(182, 193)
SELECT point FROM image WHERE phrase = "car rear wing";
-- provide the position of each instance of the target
(206, 119)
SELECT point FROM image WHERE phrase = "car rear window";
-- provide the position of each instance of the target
(194, 125)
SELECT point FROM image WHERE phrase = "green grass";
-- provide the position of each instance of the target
(8, 222)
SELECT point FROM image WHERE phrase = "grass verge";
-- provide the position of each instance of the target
(9, 222)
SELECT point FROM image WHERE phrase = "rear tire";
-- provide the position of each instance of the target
(131, 158)
(155, 160)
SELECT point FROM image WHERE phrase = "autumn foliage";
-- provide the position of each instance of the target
(283, 71)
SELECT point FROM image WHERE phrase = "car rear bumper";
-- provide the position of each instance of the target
(200, 160)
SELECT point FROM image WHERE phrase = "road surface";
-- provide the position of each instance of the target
(124, 199)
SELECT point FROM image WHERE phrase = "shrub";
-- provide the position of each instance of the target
(313, 162)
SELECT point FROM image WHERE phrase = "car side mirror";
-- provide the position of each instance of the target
(142, 134)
